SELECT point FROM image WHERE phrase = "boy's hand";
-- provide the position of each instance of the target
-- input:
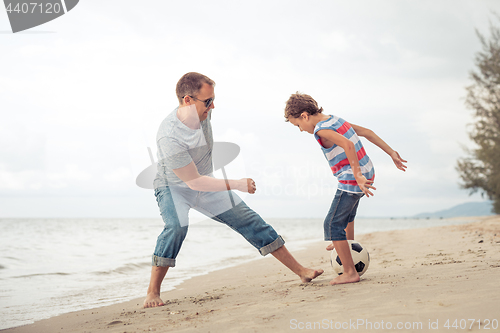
(398, 161)
(365, 184)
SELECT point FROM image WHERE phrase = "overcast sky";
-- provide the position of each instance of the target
(81, 98)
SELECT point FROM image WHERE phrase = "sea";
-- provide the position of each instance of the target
(54, 266)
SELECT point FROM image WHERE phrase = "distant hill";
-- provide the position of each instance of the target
(483, 208)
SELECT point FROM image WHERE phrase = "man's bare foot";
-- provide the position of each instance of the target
(310, 274)
(346, 278)
(330, 247)
(153, 300)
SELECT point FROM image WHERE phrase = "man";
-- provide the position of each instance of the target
(184, 181)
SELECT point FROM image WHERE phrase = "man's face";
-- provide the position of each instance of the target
(206, 92)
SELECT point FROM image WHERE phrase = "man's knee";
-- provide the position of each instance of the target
(178, 230)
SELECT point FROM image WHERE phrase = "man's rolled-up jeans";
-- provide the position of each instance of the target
(174, 203)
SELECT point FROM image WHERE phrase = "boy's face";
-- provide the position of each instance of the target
(303, 123)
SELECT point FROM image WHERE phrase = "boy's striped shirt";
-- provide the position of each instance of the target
(337, 158)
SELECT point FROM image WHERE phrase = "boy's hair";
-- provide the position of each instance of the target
(190, 84)
(298, 103)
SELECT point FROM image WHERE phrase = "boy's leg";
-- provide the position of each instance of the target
(350, 274)
(349, 231)
(338, 227)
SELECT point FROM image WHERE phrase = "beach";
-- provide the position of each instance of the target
(439, 279)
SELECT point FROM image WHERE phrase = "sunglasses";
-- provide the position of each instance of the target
(207, 102)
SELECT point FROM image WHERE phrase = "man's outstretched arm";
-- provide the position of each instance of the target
(189, 175)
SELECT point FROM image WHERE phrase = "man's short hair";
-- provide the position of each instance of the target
(298, 103)
(190, 84)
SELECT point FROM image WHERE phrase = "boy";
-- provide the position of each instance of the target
(353, 168)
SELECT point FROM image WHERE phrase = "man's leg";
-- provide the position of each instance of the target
(286, 258)
(169, 242)
(256, 231)
(153, 298)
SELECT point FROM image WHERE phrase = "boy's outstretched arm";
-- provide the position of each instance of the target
(376, 140)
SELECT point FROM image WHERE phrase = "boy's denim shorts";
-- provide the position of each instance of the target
(342, 211)
(174, 204)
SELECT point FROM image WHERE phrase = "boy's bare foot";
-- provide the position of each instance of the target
(330, 247)
(153, 300)
(345, 278)
(310, 274)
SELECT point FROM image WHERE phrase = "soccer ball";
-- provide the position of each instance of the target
(359, 254)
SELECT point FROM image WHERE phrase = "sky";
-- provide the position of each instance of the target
(82, 96)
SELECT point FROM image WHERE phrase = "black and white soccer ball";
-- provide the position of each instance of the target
(359, 254)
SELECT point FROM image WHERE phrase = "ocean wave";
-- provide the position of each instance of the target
(40, 274)
(124, 269)
(12, 258)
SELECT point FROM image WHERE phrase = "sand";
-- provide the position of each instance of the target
(441, 279)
